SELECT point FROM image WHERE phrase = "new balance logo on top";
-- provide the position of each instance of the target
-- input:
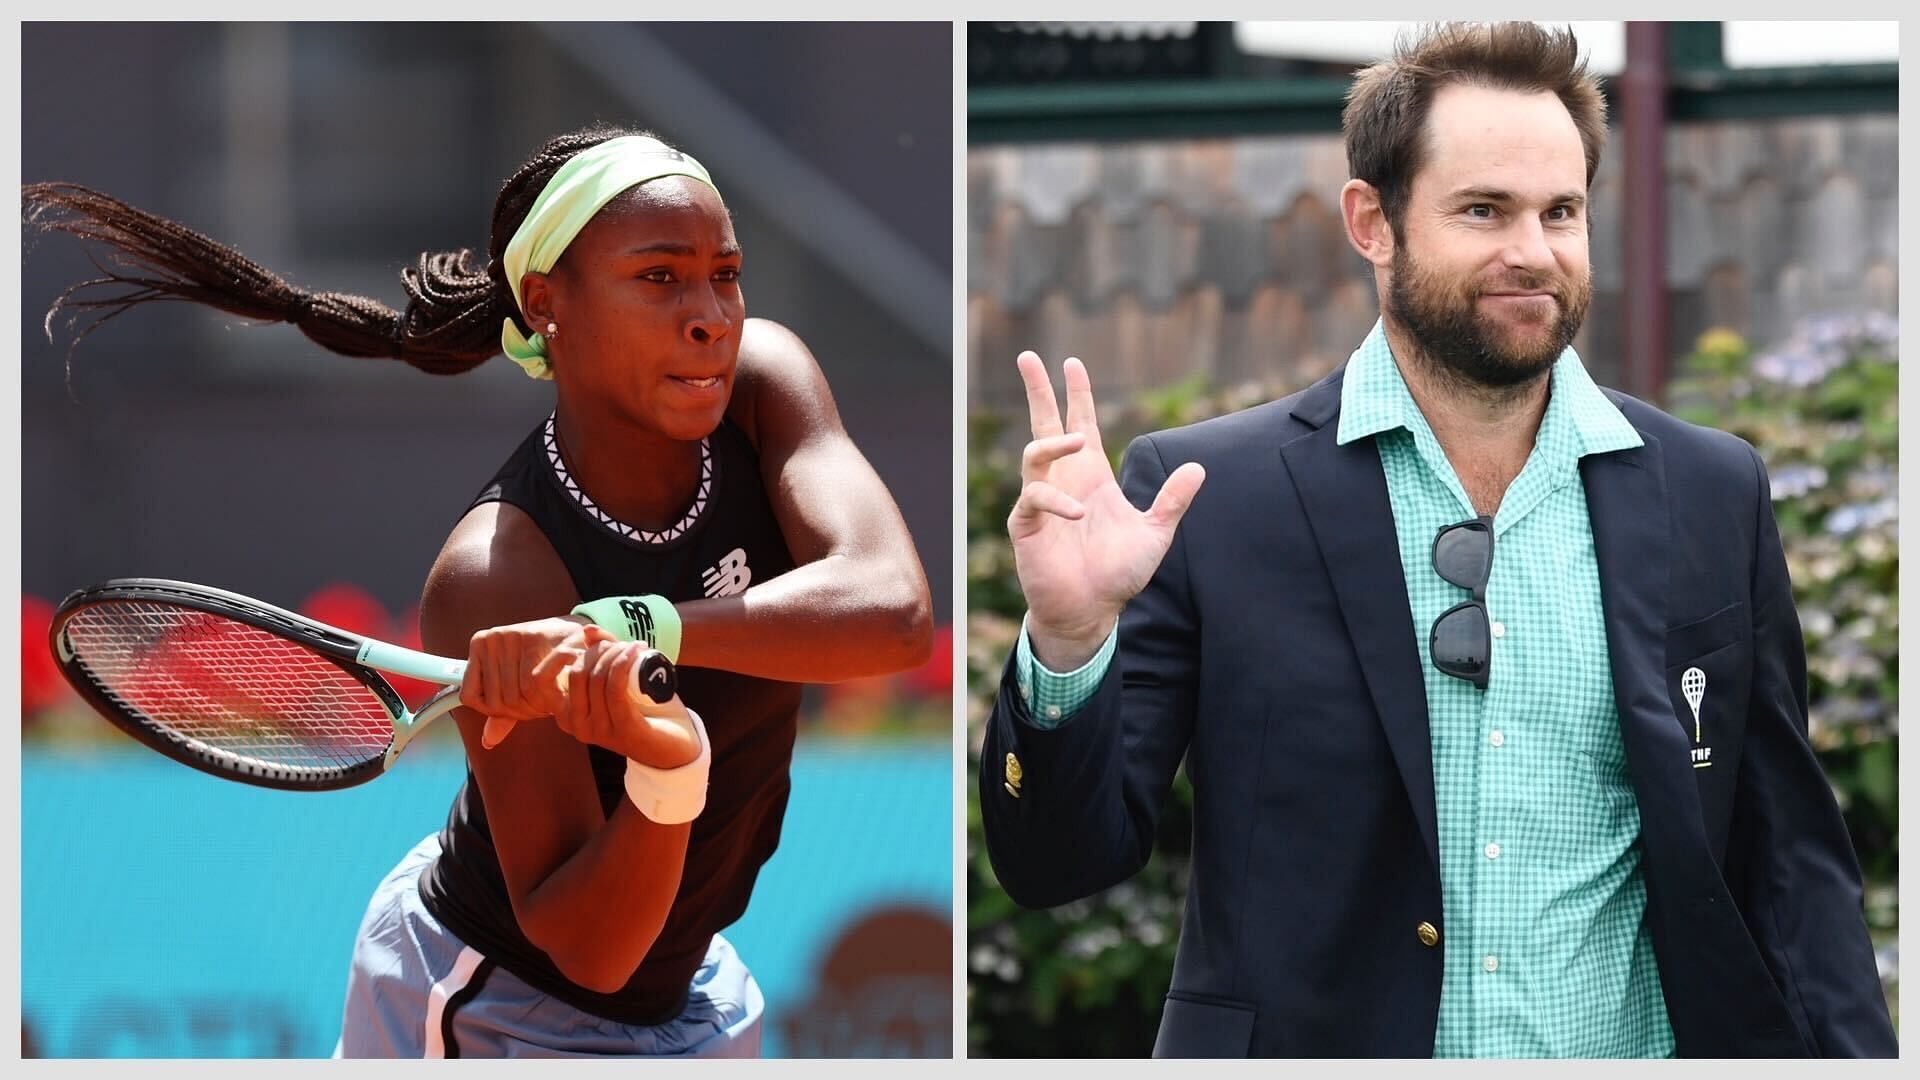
(639, 620)
(730, 576)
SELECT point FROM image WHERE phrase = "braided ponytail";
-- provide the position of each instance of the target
(454, 309)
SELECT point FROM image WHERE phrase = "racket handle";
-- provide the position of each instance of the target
(655, 677)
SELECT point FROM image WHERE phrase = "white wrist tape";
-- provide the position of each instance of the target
(672, 796)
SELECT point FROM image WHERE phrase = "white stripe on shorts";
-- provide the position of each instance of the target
(455, 981)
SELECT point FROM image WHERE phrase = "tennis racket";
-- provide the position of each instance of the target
(246, 691)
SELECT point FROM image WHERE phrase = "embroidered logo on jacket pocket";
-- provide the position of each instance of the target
(1693, 686)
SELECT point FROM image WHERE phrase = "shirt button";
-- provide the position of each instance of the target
(1491, 963)
(1497, 738)
(1493, 851)
(1025, 693)
(1499, 629)
(1053, 712)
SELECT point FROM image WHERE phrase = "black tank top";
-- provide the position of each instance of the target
(727, 540)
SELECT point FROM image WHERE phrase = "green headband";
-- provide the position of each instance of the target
(588, 181)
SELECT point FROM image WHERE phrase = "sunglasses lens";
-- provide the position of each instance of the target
(1462, 645)
(1463, 555)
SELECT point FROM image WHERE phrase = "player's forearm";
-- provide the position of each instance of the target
(599, 912)
(838, 618)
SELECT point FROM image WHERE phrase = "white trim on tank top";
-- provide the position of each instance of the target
(645, 536)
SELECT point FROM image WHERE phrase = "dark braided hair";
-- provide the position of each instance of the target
(451, 322)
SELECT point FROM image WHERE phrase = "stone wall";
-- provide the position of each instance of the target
(1153, 260)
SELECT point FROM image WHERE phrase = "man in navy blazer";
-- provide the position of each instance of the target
(1282, 635)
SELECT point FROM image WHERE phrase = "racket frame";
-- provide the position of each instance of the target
(352, 653)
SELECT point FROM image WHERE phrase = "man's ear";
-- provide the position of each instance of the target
(1366, 220)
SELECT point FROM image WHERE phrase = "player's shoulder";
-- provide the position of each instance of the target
(496, 567)
(773, 355)
(777, 379)
(765, 339)
(1695, 448)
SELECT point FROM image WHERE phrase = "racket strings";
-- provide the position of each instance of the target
(228, 686)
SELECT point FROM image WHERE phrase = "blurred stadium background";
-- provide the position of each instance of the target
(1161, 199)
(165, 914)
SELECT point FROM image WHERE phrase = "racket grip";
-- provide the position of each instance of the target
(655, 677)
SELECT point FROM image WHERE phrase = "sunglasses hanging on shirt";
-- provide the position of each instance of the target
(1462, 638)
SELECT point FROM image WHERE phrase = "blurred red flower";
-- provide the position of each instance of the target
(41, 683)
(406, 632)
(935, 677)
(348, 607)
(352, 608)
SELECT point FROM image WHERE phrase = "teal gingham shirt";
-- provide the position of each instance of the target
(1546, 950)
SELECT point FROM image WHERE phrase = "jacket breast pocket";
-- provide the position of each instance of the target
(1698, 637)
(1211, 1028)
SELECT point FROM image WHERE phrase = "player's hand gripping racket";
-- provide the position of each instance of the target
(249, 692)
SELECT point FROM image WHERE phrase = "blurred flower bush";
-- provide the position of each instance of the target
(1085, 979)
(1088, 978)
(1822, 408)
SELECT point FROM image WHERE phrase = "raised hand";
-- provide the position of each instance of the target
(1080, 548)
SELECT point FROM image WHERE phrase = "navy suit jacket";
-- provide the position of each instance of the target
(1274, 652)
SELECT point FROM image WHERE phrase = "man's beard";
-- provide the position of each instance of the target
(1461, 343)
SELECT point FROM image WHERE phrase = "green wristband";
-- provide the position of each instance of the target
(637, 618)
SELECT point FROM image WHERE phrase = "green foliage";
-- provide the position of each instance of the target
(1822, 408)
(1087, 979)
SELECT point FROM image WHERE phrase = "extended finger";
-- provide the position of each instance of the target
(1176, 495)
(600, 694)
(472, 693)
(1041, 453)
(1037, 500)
(623, 680)
(521, 677)
(574, 712)
(496, 731)
(1043, 412)
(1080, 412)
(490, 675)
(580, 703)
(548, 680)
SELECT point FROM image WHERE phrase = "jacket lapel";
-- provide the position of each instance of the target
(1344, 491)
(1627, 505)
(1699, 940)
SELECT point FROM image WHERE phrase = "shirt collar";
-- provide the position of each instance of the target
(1579, 420)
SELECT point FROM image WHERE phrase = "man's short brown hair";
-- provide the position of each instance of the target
(1386, 114)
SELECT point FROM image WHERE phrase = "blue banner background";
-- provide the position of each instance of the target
(165, 913)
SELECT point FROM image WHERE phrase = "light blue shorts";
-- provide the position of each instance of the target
(410, 974)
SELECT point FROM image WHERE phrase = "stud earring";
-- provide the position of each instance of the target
(553, 330)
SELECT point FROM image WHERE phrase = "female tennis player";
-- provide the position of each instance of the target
(693, 491)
